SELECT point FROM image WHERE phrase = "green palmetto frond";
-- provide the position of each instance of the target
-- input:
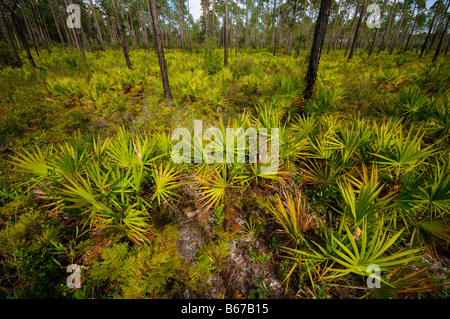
(403, 280)
(31, 163)
(214, 184)
(70, 160)
(405, 153)
(121, 150)
(166, 180)
(366, 204)
(293, 215)
(320, 173)
(435, 194)
(356, 258)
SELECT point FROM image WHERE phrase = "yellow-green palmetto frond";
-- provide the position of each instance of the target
(167, 181)
(293, 215)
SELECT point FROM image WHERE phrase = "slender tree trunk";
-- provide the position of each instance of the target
(355, 39)
(272, 37)
(190, 30)
(397, 32)
(206, 17)
(334, 25)
(29, 29)
(246, 25)
(316, 49)
(277, 28)
(19, 31)
(412, 31)
(438, 27)
(181, 22)
(405, 32)
(438, 49)
(8, 37)
(39, 24)
(301, 28)
(99, 34)
(122, 38)
(237, 31)
(225, 36)
(352, 29)
(429, 30)
(291, 39)
(152, 30)
(160, 50)
(57, 25)
(386, 32)
(75, 37)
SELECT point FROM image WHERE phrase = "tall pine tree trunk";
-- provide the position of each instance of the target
(334, 25)
(397, 32)
(8, 37)
(57, 25)
(293, 28)
(301, 29)
(429, 30)
(385, 37)
(181, 22)
(347, 46)
(122, 38)
(225, 36)
(355, 39)
(160, 50)
(316, 49)
(438, 49)
(99, 34)
(19, 31)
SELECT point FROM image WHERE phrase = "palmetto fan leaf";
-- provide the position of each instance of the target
(366, 203)
(293, 215)
(435, 194)
(405, 153)
(214, 184)
(166, 180)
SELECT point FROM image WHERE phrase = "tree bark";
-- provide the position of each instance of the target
(293, 28)
(122, 38)
(225, 36)
(277, 28)
(272, 37)
(160, 50)
(316, 49)
(39, 24)
(386, 32)
(181, 22)
(347, 46)
(429, 30)
(334, 25)
(301, 29)
(99, 34)
(57, 25)
(438, 49)
(412, 31)
(8, 37)
(405, 33)
(355, 39)
(246, 25)
(397, 32)
(19, 31)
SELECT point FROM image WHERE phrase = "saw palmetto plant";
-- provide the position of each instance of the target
(343, 254)
(293, 214)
